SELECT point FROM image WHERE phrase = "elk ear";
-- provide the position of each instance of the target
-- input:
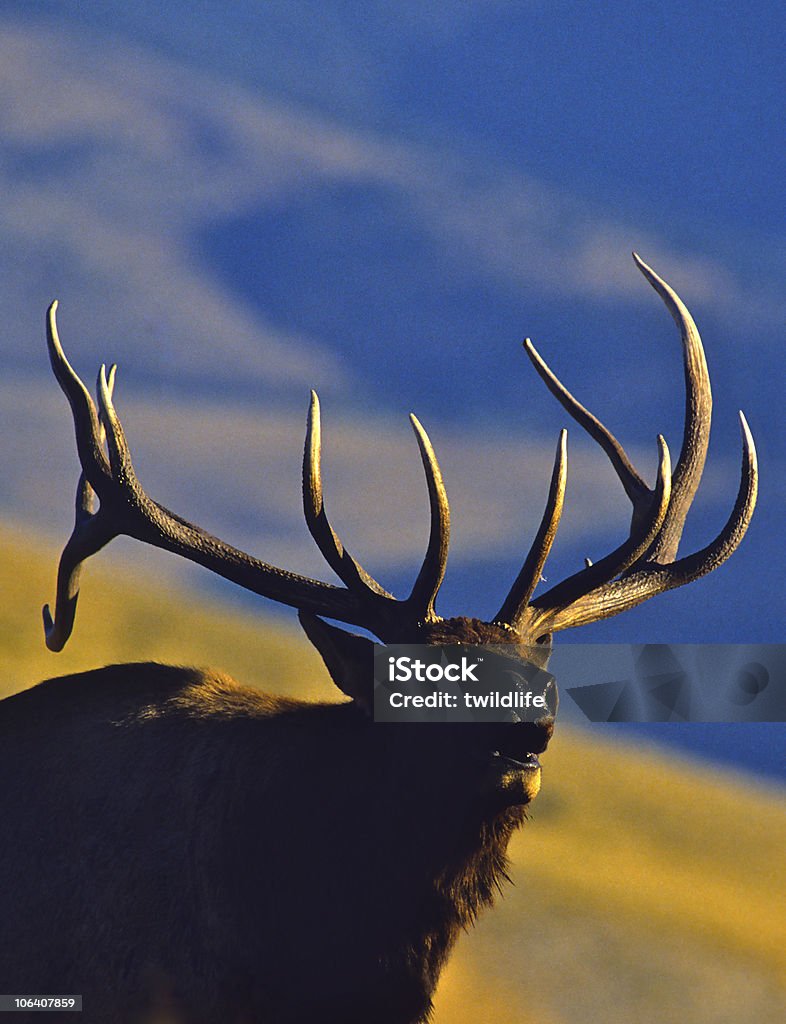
(349, 659)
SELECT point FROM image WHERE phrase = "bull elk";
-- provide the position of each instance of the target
(168, 832)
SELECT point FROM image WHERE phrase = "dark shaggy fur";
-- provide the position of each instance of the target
(168, 833)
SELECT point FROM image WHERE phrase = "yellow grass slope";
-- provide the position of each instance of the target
(125, 617)
(646, 890)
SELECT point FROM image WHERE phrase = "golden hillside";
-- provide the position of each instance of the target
(646, 890)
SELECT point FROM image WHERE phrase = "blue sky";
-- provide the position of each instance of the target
(239, 202)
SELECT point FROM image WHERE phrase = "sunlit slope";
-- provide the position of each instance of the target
(645, 890)
(121, 618)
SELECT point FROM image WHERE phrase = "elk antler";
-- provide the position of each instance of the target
(646, 564)
(125, 508)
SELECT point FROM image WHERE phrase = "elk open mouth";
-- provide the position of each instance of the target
(529, 762)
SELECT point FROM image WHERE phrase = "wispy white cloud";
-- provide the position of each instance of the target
(112, 159)
(524, 232)
(142, 154)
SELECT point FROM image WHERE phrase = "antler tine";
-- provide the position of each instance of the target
(698, 417)
(432, 571)
(58, 630)
(335, 554)
(548, 612)
(514, 607)
(635, 487)
(117, 447)
(621, 594)
(89, 437)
